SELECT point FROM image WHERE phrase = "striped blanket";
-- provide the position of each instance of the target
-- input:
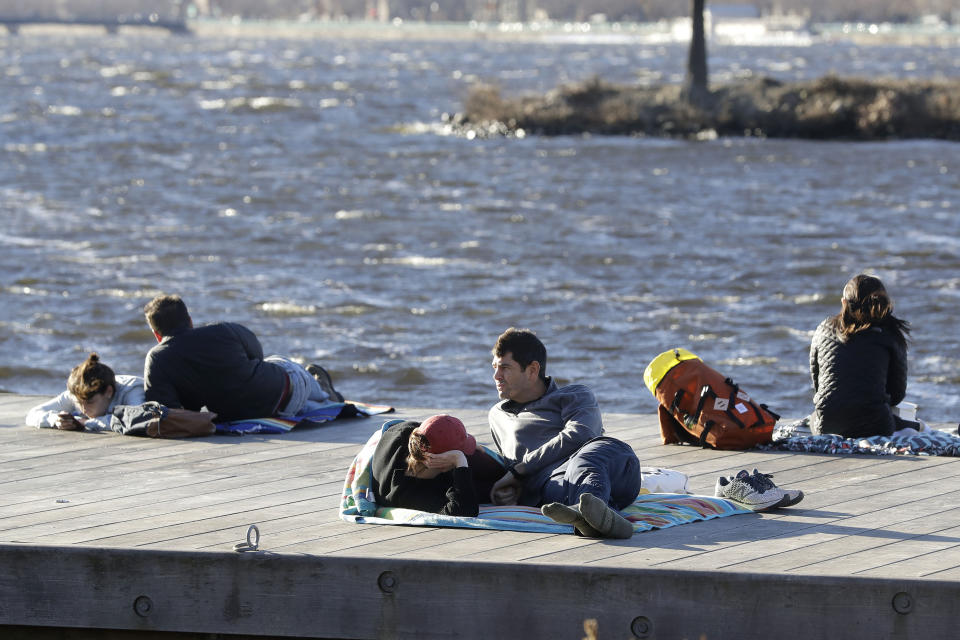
(325, 413)
(649, 511)
(796, 436)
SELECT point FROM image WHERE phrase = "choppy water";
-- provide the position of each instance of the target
(307, 189)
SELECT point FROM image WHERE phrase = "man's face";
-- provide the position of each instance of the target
(513, 382)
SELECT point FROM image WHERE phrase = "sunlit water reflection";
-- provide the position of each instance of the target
(305, 188)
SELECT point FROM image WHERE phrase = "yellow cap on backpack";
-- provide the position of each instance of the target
(660, 365)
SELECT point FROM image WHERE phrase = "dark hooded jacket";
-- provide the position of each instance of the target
(219, 366)
(855, 383)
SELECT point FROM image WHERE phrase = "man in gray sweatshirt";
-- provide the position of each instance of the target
(552, 439)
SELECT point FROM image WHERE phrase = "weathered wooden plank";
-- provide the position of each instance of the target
(14, 407)
(173, 493)
(470, 548)
(904, 544)
(228, 527)
(312, 538)
(128, 526)
(25, 447)
(918, 556)
(275, 531)
(196, 458)
(330, 540)
(839, 546)
(479, 545)
(951, 573)
(420, 546)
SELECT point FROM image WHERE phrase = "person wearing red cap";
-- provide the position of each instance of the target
(432, 466)
(552, 440)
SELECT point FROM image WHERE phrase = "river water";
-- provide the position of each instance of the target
(308, 189)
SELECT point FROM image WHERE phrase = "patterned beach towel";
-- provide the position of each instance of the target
(649, 511)
(796, 436)
(325, 413)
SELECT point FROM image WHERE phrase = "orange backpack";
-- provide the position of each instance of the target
(700, 406)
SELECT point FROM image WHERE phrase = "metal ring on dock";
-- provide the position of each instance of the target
(250, 544)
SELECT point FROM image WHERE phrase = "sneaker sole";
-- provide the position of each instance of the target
(759, 506)
(787, 501)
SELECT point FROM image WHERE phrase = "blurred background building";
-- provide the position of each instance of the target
(484, 10)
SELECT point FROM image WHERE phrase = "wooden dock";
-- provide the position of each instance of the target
(119, 537)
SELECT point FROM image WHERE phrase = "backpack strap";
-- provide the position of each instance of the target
(757, 412)
(677, 397)
(671, 430)
(707, 426)
(775, 415)
(707, 390)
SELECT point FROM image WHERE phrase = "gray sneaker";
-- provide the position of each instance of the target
(749, 491)
(790, 496)
(325, 381)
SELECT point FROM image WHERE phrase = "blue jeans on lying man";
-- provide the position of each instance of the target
(606, 467)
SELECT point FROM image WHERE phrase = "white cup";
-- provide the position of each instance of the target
(906, 410)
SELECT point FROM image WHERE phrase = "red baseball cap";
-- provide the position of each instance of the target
(446, 433)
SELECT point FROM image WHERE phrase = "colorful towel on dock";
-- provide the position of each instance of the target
(796, 436)
(325, 413)
(649, 511)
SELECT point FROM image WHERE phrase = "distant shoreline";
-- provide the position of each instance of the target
(604, 33)
(611, 33)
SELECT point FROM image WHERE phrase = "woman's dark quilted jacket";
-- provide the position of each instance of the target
(856, 382)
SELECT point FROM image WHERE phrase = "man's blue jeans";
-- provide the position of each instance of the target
(606, 467)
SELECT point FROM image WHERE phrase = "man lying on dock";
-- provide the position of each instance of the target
(552, 439)
(221, 366)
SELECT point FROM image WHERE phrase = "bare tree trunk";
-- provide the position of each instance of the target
(695, 86)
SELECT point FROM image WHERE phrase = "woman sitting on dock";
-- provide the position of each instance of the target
(858, 363)
(92, 393)
(434, 466)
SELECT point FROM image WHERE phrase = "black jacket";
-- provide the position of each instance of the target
(855, 383)
(219, 366)
(450, 493)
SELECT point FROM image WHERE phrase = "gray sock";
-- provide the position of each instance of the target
(606, 520)
(569, 515)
